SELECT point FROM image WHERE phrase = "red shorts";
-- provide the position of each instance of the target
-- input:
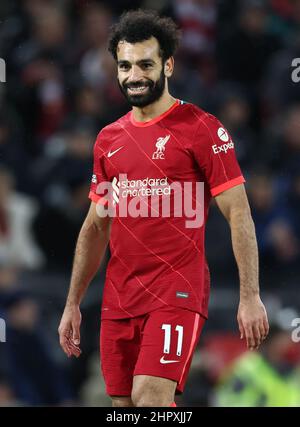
(160, 344)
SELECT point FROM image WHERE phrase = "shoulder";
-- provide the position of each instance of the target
(112, 129)
(206, 122)
(207, 129)
(201, 120)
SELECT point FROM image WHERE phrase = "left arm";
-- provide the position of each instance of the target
(252, 316)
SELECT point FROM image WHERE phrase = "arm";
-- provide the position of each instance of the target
(252, 317)
(90, 249)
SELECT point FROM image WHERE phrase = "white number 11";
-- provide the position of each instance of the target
(167, 341)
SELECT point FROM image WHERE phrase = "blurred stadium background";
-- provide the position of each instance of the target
(235, 61)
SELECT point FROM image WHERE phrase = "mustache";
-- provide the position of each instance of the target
(137, 84)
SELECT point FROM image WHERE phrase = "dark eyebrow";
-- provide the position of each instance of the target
(122, 62)
(140, 62)
(143, 61)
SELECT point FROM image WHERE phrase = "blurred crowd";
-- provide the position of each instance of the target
(60, 90)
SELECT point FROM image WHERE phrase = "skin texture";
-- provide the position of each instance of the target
(94, 236)
(122, 402)
(138, 71)
(148, 391)
(90, 249)
(252, 317)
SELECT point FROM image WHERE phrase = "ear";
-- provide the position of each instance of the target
(169, 67)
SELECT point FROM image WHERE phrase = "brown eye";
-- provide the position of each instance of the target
(124, 67)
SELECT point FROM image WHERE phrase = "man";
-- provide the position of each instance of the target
(157, 281)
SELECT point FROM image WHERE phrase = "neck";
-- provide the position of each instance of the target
(153, 110)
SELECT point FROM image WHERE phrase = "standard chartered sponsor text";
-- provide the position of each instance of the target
(153, 197)
(145, 187)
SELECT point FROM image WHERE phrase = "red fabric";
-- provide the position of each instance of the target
(156, 119)
(158, 261)
(97, 199)
(137, 347)
(229, 184)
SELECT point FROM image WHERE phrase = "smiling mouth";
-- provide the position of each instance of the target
(137, 90)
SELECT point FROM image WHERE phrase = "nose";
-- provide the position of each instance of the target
(135, 74)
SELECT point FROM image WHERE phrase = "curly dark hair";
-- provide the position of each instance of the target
(139, 25)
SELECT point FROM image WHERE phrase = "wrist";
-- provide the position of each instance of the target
(72, 303)
(248, 297)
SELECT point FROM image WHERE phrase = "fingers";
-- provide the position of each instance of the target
(258, 337)
(75, 351)
(76, 333)
(75, 339)
(249, 337)
(241, 328)
(262, 331)
(266, 325)
(64, 342)
(253, 323)
(68, 343)
(254, 336)
(255, 333)
(73, 348)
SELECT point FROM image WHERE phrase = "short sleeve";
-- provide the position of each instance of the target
(213, 149)
(99, 175)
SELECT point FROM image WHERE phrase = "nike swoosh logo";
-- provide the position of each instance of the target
(111, 153)
(163, 361)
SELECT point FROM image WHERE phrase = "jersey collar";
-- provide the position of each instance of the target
(155, 119)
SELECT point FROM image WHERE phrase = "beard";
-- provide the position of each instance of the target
(153, 93)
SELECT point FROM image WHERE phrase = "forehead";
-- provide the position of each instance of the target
(134, 52)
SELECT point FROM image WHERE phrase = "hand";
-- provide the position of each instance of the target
(69, 331)
(253, 322)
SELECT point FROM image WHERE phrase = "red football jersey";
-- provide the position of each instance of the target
(156, 259)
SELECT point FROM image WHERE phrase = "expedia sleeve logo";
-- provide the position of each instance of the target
(223, 135)
(223, 148)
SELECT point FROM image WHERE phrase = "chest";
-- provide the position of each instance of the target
(143, 153)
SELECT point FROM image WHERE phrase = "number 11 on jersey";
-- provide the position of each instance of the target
(167, 341)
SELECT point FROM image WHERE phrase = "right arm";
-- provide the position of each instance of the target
(90, 249)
